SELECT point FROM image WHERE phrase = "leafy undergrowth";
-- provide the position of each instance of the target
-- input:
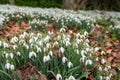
(34, 46)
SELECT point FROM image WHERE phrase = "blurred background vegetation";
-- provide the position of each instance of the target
(110, 5)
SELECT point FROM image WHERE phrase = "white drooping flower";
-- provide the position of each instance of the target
(67, 43)
(50, 32)
(85, 33)
(71, 78)
(70, 64)
(62, 50)
(18, 53)
(0, 43)
(102, 52)
(11, 55)
(97, 59)
(101, 77)
(96, 49)
(62, 30)
(7, 66)
(39, 49)
(40, 43)
(103, 61)
(82, 59)
(48, 45)
(6, 55)
(47, 38)
(55, 43)
(32, 54)
(12, 67)
(58, 37)
(88, 62)
(58, 77)
(50, 53)
(100, 68)
(107, 78)
(5, 45)
(46, 58)
(26, 46)
(14, 40)
(14, 47)
(77, 51)
(64, 59)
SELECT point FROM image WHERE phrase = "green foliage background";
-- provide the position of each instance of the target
(89, 5)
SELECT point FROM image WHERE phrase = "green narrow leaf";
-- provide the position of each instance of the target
(6, 74)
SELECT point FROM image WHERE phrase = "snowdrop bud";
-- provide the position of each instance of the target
(102, 52)
(70, 64)
(58, 77)
(7, 66)
(46, 58)
(62, 50)
(103, 61)
(64, 59)
(32, 54)
(96, 49)
(18, 53)
(11, 55)
(12, 67)
(71, 78)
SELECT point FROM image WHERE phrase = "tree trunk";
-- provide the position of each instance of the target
(11, 2)
(68, 4)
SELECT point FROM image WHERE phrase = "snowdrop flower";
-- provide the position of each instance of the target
(21, 41)
(71, 78)
(77, 51)
(55, 43)
(50, 33)
(70, 64)
(82, 59)
(78, 41)
(48, 45)
(97, 59)
(78, 35)
(102, 52)
(87, 49)
(14, 40)
(14, 47)
(7, 66)
(32, 54)
(103, 61)
(109, 67)
(46, 58)
(58, 77)
(47, 38)
(26, 46)
(105, 69)
(100, 68)
(18, 53)
(58, 37)
(12, 67)
(62, 30)
(64, 59)
(31, 41)
(88, 62)
(11, 55)
(87, 41)
(5, 45)
(96, 49)
(6, 55)
(85, 33)
(50, 53)
(0, 43)
(40, 43)
(39, 50)
(107, 78)
(62, 50)
(83, 52)
(101, 77)
(67, 43)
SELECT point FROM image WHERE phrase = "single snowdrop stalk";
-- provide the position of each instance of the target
(85, 33)
(100, 68)
(14, 40)
(50, 53)
(62, 30)
(32, 54)
(47, 38)
(88, 62)
(48, 45)
(70, 64)
(96, 49)
(6, 55)
(18, 53)
(58, 77)
(5, 45)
